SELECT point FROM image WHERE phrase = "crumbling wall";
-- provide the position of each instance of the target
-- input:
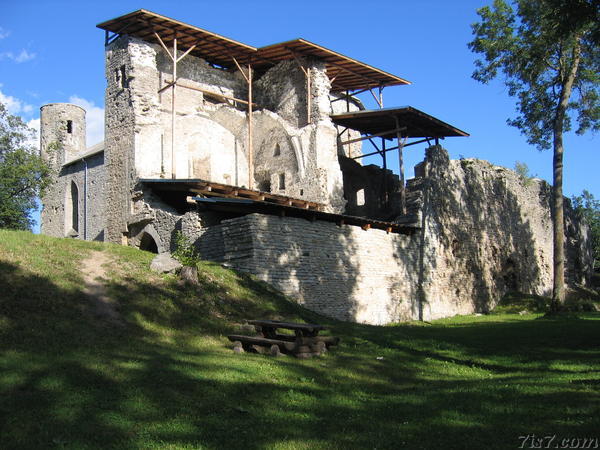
(296, 157)
(484, 231)
(370, 191)
(487, 231)
(120, 136)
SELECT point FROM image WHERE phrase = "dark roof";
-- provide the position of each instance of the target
(416, 123)
(346, 73)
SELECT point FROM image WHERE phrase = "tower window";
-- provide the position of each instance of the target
(69, 126)
(277, 150)
(74, 206)
(121, 77)
(282, 181)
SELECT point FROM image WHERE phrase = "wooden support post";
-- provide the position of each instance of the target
(174, 58)
(308, 95)
(366, 226)
(385, 175)
(381, 96)
(250, 149)
(364, 138)
(401, 168)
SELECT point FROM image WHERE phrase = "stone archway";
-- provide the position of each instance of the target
(148, 243)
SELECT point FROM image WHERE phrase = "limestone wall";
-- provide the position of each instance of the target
(344, 272)
(485, 231)
(90, 188)
(119, 137)
(62, 138)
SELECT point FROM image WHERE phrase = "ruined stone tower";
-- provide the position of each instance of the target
(72, 200)
(62, 138)
(62, 132)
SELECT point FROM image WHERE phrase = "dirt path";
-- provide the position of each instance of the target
(94, 277)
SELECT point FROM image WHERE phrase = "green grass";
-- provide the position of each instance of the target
(169, 378)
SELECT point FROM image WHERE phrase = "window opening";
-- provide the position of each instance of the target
(69, 126)
(277, 150)
(282, 181)
(360, 197)
(74, 207)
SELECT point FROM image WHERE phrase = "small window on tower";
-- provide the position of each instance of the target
(69, 126)
(277, 150)
(282, 181)
(124, 80)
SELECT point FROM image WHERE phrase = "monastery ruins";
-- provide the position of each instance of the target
(255, 155)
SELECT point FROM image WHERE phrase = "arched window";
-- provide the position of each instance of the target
(74, 207)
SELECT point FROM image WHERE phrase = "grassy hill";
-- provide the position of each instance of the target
(165, 375)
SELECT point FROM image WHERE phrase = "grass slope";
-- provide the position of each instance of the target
(169, 379)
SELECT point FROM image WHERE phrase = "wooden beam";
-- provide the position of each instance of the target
(250, 144)
(163, 45)
(205, 91)
(364, 138)
(174, 57)
(401, 143)
(188, 51)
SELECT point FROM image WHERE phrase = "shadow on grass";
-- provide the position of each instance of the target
(168, 379)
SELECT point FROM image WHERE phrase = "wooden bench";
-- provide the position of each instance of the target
(303, 344)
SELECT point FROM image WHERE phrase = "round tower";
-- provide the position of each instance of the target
(62, 132)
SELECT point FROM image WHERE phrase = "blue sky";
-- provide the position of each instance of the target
(51, 51)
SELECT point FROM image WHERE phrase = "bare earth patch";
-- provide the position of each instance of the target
(94, 277)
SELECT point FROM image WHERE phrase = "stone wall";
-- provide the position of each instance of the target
(119, 140)
(344, 272)
(59, 143)
(485, 231)
(90, 187)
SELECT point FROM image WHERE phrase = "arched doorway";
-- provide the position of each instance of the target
(148, 243)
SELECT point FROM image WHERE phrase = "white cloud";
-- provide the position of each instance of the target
(14, 105)
(35, 139)
(94, 119)
(3, 33)
(22, 57)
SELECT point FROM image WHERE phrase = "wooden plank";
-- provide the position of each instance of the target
(287, 325)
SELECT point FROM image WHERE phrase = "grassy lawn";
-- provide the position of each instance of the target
(169, 378)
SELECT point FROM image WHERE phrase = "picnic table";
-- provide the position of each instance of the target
(304, 343)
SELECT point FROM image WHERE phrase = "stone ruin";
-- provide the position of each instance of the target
(245, 155)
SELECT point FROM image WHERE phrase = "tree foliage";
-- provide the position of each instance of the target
(23, 174)
(589, 209)
(536, 46)
(547, 51)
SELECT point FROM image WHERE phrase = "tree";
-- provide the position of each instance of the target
(589, 208)
(23, 174)
(547, 51)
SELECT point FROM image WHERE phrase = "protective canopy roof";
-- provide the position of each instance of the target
(411, 122)
(346, 73)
